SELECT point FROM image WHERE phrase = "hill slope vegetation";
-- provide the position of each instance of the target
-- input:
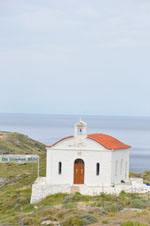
(60, 209)
(16, 143)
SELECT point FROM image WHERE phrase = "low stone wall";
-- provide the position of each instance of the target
(106, 189)
(40, 189)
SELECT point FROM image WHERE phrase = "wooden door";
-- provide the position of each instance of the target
(78, 171)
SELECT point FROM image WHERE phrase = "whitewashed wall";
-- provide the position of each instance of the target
(121, 157)
(67, 151)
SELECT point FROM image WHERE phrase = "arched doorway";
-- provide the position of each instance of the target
(79, 171)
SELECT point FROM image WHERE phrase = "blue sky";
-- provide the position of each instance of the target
(75, 57)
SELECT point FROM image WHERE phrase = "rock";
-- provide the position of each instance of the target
(22, 198)
(50, 222)
(2, 181)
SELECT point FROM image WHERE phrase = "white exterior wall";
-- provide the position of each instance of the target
(67, 151)
(121, 157)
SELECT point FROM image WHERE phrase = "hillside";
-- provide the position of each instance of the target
(60, 209)
(64, 209)
(16, 143)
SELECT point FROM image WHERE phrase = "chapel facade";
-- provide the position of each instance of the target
(87, 159)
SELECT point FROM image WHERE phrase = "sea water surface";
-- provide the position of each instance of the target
(134, 131)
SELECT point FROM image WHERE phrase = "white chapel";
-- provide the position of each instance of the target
(88, 159)
(85, 163)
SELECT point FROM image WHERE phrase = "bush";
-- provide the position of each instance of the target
(107, 197)
(98, 204)
(78, 197)
(73, 220)
(55, 198)
(133, 223)
(69, 206)
(88, 219)
(30, 221)
(105, 222)
(134, 174)
(122, 193)
(148, 203)
(103, 212)
(123, 196)
(138, 203)
(63, 213)
(114, 208)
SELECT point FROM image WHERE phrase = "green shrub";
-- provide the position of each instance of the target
(88, 219)
(123, 197)
(55, 199)
(73, 220)
(107, 197)
(98, 204)
(69, 205)
(30, 221)
(138, 203)
(148, 203)
(114, 207)
(63, 213)
(122, 193)
(134, 174)
(78, 197)
(105, 222)
(103, 212)
(133, 223)
(28, 207)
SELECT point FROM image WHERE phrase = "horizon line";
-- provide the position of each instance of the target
(80, 115)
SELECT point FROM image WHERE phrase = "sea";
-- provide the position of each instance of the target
(134, 131)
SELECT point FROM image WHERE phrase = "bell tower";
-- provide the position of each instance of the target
(80, 130)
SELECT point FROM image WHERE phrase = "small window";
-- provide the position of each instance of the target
(80, 130)
(97, 169)
(116, 168)
(121, 166)
(126, 169)
(59, 167)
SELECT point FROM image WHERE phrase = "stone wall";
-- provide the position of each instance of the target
(40, 189)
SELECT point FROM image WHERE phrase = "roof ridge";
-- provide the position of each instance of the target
(107, 141)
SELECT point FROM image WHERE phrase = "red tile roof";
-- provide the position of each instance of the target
(107, 141)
